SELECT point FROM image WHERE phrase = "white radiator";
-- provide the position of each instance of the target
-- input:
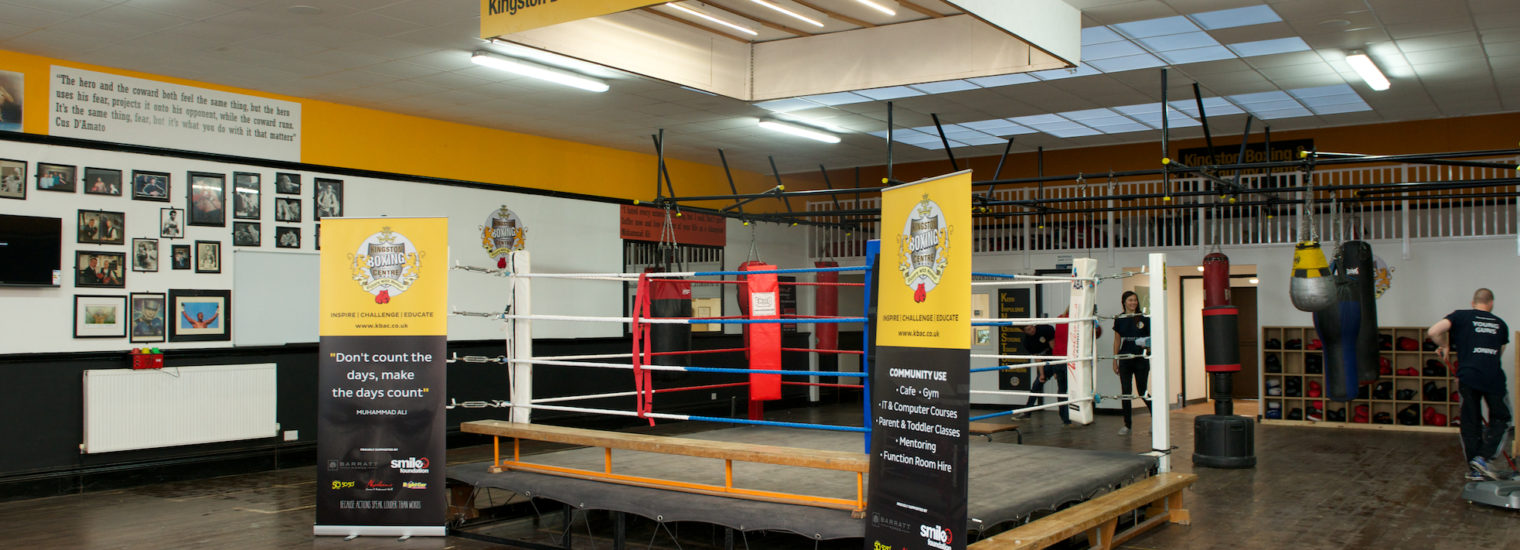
(144, 409)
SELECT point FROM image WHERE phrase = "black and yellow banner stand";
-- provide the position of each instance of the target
(920, 380)
(380, 394)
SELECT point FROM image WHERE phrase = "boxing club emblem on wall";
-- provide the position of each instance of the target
(922, 246)
(502, 234)
(386, 264)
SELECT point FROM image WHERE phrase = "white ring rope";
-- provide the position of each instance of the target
(1027, 283)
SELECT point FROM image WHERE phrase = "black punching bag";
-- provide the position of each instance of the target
(671, 298)
(1348, 328)
(1222, 439)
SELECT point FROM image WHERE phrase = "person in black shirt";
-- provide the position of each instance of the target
(1479, 338)
(1038, 340)
(1129, 328)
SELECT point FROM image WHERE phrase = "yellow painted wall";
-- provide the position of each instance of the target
(355, 137)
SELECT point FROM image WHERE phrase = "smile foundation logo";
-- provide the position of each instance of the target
(502, 234)
(386, 264)
(921, 248)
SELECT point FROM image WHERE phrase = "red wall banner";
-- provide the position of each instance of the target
(642, 223)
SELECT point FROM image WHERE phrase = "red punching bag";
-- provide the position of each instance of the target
(1216, 280)
(826, 304)
(763, 340)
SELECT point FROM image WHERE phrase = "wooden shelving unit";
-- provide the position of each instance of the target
(1293, 363)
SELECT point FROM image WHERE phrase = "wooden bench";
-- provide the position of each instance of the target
(728, 452)
(986, 429)
(1161, 496)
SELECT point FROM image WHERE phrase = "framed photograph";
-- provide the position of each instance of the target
(245, 196)
(13, 179)
(100, 316)
(200, 315)
(179, 256)
(208, 199)
(208, 256)
(102, 181)
(171, 223)
(150, 186)
(287, 183)
(148, 310)
(102, 227)
(100, 269)
(55, 177)
(329, 198)
(246, 234)
(145, 255)
(287, 209)
(287, 237)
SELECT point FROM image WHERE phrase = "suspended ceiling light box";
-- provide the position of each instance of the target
(663, 41)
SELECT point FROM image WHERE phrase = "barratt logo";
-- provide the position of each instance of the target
(502, 234)
(892, 523)
(413, 485)
(936, 536)
(386, 264)
(337, 465)
(921, 248)
(411, 465)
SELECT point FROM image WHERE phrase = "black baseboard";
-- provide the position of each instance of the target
(273, 457)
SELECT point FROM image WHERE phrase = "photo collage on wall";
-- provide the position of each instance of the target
(110, 248)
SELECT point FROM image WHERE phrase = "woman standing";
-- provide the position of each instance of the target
(1127, 329)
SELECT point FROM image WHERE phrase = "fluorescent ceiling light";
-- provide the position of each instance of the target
(1057, 74)
(1368, 70)
(1109, 50)
(798, 130)
(877, 7)
(1212, 106)
(793, 14)
(695, 13)
(1238, 17)
(837, 98)
(1198, 55)
(546, 57)
(1184, 41)
(534, 70)
(1098, 35)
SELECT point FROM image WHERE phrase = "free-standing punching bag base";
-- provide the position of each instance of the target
(1227, 442)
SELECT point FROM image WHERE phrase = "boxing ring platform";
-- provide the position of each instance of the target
(1008, 484)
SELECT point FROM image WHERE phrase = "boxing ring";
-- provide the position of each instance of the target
(797, 477)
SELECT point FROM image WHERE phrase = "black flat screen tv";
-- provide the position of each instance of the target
(31, 250)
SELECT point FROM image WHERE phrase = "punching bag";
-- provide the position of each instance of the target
(762, 340)
(670, 298)
(1348, 328)
(1216, 280)
(1311, 289)
(826, 304)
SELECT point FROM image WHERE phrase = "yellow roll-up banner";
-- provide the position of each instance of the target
(925, 292)
(384, 277)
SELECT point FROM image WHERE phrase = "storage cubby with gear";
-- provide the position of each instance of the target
(1415, 389)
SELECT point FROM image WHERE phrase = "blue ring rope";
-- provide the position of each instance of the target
(775, 321)
(781, 424)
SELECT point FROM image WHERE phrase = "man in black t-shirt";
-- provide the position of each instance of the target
(1038, 340)
(1479, 338)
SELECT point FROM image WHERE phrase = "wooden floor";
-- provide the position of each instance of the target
(1312, 488)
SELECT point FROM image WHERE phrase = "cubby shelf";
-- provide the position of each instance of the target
(1292, 364)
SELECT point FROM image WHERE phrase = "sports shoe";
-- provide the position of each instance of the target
(1481, 465)
(1474, 475)
(1124, 430)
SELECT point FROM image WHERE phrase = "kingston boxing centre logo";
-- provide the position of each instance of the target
(386, 264)
(922, 248)
(502, 234)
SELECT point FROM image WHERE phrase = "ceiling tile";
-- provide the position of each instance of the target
(1428, 27)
